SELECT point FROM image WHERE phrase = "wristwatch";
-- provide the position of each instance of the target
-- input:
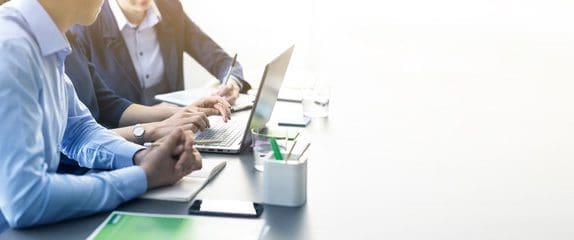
(138, 130)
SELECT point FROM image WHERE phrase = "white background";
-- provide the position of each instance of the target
(460, 114)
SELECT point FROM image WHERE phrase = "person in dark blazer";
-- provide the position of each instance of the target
(120, 114)
(137, 46)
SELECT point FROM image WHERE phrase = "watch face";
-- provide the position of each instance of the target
(138, 131)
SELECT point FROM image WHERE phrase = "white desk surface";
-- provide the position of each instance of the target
(426, 174)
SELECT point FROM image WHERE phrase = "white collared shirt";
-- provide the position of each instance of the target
(142, 44)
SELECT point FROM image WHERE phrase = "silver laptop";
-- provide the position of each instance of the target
(234, 136)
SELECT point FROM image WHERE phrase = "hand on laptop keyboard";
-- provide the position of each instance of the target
(182, 119)
(212, 105)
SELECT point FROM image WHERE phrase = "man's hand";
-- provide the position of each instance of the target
(229, 91)
(212, 105)
(192, 117)
(183, 119)
(169, 159)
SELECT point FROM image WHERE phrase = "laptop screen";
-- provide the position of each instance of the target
(269, 89)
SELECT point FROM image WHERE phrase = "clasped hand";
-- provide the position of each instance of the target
(169, 159)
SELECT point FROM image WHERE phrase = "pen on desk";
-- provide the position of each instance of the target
(236, 108)
(228, 74)
(150, 144)
(155, 144)
(276, 150)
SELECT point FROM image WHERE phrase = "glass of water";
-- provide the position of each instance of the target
(316, 102)
(262, 149)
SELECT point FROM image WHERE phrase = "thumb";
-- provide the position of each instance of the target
(172, 139)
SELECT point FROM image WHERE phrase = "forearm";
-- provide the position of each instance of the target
(137, 113)
(150, 134)
(48, 197)
(94, 146)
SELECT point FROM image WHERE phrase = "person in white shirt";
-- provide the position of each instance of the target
(137, 47)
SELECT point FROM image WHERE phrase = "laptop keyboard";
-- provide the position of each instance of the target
(222, 134)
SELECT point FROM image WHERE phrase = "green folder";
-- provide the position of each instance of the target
(141, 226)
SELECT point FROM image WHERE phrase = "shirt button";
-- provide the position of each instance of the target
(141, 53)
(147, 76)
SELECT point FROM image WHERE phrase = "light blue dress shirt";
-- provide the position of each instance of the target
(41, 116)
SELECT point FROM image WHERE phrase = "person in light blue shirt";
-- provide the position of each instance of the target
(42, 116)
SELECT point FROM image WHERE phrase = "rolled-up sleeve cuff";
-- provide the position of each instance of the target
(238, 81)
(124, 154)
(133, 181)
(243, 85)
(116, 111)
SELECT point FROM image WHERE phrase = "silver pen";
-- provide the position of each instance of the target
(228, 75)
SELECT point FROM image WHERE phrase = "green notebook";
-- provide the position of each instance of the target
(141, 226)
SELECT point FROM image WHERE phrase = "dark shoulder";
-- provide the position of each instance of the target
(105, 17)
(172, 4)
(170, 8)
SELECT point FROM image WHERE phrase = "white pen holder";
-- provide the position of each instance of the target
(285, 182)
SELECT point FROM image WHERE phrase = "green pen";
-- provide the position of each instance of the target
(275, 147)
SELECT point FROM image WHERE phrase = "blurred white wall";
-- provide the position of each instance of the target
(502, 54)
(438, 71)
(257, 30)
(491, 42)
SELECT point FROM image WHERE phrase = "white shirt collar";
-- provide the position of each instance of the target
(47, 35)
(153, 16)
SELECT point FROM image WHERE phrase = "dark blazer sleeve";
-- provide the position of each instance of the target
(111, 106)
(209, 54)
